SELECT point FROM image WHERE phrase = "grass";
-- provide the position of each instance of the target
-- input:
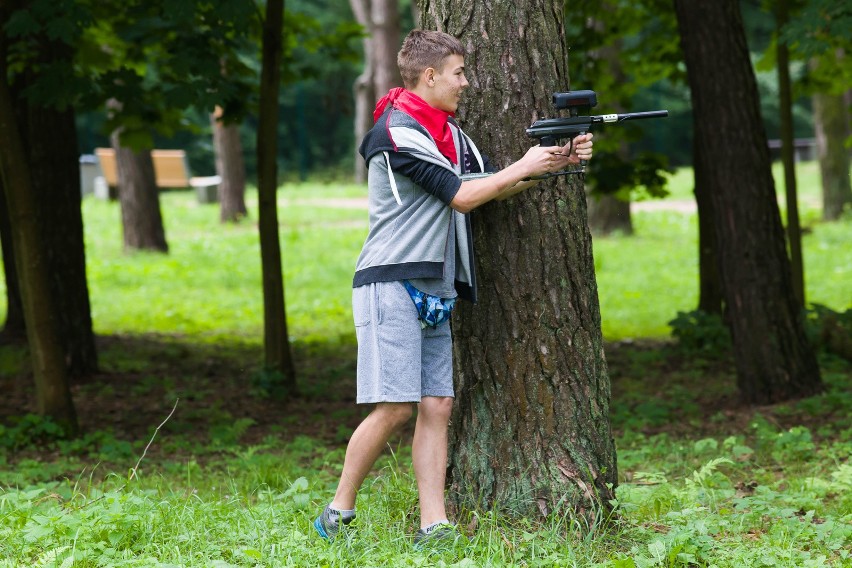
(702, 480)
(319, 248)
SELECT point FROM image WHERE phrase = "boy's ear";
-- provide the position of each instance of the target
(429, 76)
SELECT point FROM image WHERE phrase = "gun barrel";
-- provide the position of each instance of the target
(630, 116)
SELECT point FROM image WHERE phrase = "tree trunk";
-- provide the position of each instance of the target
(384, 27)
(530, 431)
(276, 341)
(139, 198)
(774, 359)
(381, 20)
(710, 297)
(609, 214)
(230, 166)
(831, 122)
(14, 328)
(50, 141)
(785, 104)
(53, 394)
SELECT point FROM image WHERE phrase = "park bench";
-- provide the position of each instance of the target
(171, 171)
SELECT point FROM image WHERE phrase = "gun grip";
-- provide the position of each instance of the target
(547, 141)
(582, 162)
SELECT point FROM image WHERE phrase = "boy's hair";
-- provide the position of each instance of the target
(423, 49)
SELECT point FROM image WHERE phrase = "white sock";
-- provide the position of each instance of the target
(335, 515)
(429, 528)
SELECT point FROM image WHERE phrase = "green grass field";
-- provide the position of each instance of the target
(643, 280)
(703, 481)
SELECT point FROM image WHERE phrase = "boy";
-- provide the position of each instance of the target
(417, 259)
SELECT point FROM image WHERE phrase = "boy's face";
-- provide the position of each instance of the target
(444, 87)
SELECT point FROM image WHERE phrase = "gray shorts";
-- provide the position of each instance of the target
(397, 360)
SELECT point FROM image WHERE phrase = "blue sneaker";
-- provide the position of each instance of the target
(328, 524)
(439, 537)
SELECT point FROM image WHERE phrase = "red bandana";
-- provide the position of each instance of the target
(434, 120)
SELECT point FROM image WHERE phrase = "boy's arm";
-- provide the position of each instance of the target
(509, 181)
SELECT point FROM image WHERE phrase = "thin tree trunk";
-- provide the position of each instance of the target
(363, 89)
(774, 359)
(384, 26)
(139, 198)
(276, 341)
(381, 20)
(230, 166)
(530, 431)
(831, 122)
(794, 229)
(53, 393)
(609, 214)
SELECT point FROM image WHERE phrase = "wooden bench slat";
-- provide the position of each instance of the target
(170, 168)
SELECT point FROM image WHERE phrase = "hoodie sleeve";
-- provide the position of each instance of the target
(434, 179)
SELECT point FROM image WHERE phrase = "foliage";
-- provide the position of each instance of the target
(270, 383)
(830, 330)
(819, 31)
(750, 489)
(614, 41)
(611, 174)
(166, 64)
(28, 430)
(698, 332)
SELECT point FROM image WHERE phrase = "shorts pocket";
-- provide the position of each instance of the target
(361, 304)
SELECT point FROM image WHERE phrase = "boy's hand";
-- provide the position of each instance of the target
(547, 159)
(581, 149)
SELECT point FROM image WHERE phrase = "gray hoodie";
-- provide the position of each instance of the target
(409, 227)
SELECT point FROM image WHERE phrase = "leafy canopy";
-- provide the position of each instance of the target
(152, 61)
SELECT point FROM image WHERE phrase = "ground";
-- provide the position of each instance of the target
(217, 392)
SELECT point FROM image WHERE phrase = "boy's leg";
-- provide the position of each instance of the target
(367, 443)
(429, 453)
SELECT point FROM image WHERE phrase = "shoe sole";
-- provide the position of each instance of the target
(321, 530)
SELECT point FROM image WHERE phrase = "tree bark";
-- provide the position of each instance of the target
(530, 431)
(50, 141)
(51, 145)
(230, 166)
(47, 355)
(381, 20)
(139, 198)
(831, 122)
(276, 340)
(710, 296)
(774, 359)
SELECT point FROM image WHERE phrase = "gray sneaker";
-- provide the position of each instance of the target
(441, 536)
(328, 528)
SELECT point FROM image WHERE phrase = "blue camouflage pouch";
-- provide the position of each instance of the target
(432, 311)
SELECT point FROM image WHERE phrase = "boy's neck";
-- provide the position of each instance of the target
(424, 94)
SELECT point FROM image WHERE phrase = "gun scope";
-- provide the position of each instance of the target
(574, 99)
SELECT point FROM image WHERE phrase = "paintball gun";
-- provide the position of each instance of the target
(549, 130)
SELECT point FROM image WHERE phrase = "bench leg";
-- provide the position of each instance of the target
(207, 193)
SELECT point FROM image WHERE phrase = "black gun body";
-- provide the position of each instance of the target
(548, 130)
